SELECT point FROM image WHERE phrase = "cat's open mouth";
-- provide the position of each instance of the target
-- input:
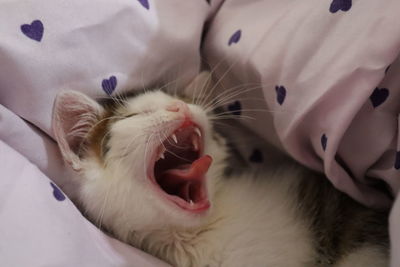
(180, 169)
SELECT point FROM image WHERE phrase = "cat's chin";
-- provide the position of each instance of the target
(178, 170)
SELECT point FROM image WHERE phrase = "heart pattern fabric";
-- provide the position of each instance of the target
(109, 85)
(34, 30)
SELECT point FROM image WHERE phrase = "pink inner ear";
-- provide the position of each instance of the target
(74, 115)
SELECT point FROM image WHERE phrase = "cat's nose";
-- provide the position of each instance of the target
(178, 106)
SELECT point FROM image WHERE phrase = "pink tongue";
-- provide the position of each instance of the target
(193, 172)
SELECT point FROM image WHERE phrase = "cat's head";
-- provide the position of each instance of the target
(144, 162)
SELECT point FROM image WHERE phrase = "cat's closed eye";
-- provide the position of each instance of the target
(131, 115)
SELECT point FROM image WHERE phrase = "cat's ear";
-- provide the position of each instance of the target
(74, 114)
(199, 86)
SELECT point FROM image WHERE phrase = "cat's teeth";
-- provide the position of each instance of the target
(195, 144)
(191, 202)
(174, 138)
(161, 155)
(197, 130)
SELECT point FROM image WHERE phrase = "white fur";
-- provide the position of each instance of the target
(123, 181)
(365, 256)
(252, 220)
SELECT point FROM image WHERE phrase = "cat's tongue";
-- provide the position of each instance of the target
(188, 182)
(194, 172)
(185, 184)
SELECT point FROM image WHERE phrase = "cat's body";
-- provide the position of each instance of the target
(285, 217)
(152, 172)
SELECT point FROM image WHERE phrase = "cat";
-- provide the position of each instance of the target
(152, 171)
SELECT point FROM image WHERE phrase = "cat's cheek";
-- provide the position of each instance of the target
(92, 170)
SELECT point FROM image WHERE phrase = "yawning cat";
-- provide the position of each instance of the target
(151, 171)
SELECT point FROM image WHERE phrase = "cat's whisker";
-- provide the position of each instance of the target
(116, 99)
(142, 82)
(219, 101)
(218, 82)
(226, 98)
(101, 214)
(196, 94)
(203, 90)
(124, 99)
(211, 73)
(128, 147)
(224, 104)
(168, 84)
(244, 110)
(148, 141)
(125, 152)
(239, 117)
(161, 142)
(226, 114)
(105, 119)
(236, 89)
(205, 104)
(202, 97)
(175, 81)
(102, 141)
(223, 124)
(197, 98)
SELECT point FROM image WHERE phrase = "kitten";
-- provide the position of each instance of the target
(152, 172)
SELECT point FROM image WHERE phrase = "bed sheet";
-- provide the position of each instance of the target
(320, 77)
(40, 226)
